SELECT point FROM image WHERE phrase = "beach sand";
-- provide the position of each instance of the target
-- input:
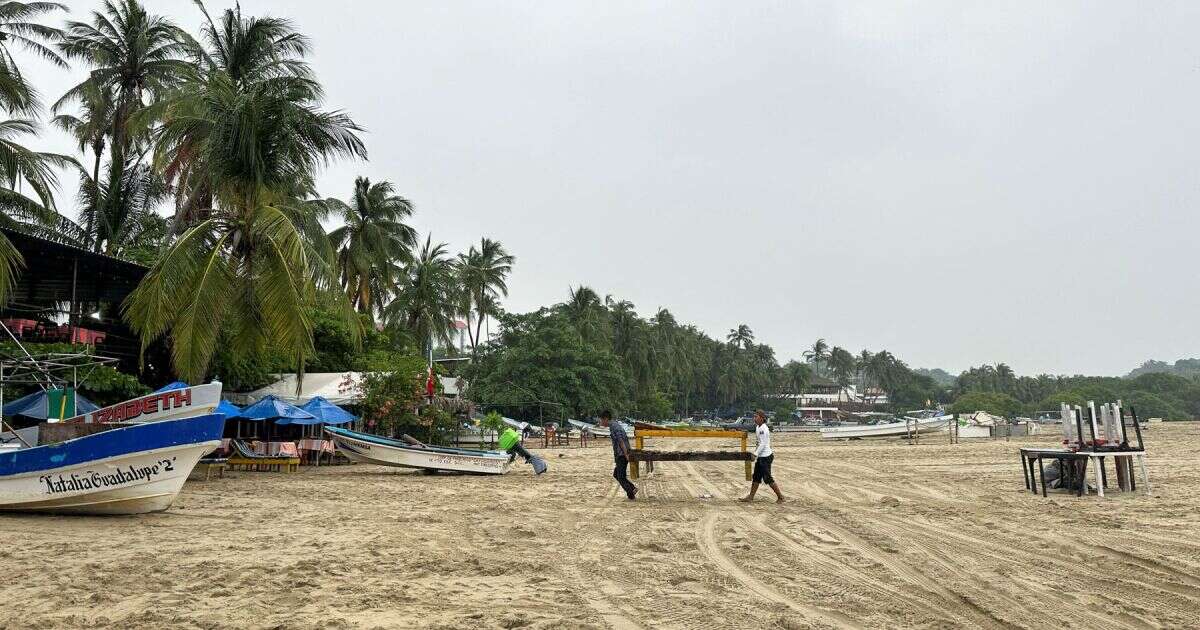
(876, 534)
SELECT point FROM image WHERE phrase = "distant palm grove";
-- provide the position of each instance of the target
(197, 156)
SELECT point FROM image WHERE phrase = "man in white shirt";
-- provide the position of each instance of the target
(763, 457)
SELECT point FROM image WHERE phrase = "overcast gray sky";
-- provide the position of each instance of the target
(956, 182)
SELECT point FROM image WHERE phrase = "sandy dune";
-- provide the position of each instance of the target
(876, 535)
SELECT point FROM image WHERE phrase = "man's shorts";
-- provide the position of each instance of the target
(762, 469)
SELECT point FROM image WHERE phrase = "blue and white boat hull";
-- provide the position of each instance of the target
(128, 470)
(373, 449)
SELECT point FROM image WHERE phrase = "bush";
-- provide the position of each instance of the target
(992, 402)
(1150, 405)
(390, 399)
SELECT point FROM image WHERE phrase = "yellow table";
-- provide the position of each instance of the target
(640, 435)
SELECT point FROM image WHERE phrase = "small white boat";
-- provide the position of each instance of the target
(594, 429)
(130, 469)
(373, 449)
(521, 426)
(921, 423)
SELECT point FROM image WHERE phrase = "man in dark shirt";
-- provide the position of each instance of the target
(620, 445)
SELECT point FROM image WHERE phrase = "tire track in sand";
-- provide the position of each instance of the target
(907, 532)
(838, 568)
(926, 585)
(918, 534)
(706, 540)
(599, 602)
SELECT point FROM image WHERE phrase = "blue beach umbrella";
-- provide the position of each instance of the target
(325, 412)
(170, 386)
(270, 407)
(229, 409)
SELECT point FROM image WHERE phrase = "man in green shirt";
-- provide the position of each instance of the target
(510, 442)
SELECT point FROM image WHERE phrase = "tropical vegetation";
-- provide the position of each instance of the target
(202, 151)
(198, 156)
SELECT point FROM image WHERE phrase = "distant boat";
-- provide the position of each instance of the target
(374, 449)
(521, 426)
(594, 429)
(919, 421)
(126, 470)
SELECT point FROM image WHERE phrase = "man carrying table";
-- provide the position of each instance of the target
(620, 444)
(763, 458)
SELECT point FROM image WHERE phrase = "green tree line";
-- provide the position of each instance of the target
(586, 354)
(1152, 394)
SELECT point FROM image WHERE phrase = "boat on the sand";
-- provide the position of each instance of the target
(374, 449)
(918, 422)
(594, 429)
(129, 469)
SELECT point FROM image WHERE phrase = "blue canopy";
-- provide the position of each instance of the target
(36, 405)
(325, 412)
(170, 386)
(229, 409)
(272, 408)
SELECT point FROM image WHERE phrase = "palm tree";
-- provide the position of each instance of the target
(881, 370)
(425, 302)
(584, 309)
(246, 266)
(141, 189)
(483, 277)
(254, 54)
(22, 167)
(372, 240)
(740, 337)
(135, 59)
(730, 375)
(796, 377)
(19, 166)
(841, 365)
(817, 354)
(860, 368)
(90, 129)
(16, 27)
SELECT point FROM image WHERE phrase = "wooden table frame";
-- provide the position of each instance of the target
(640, 435)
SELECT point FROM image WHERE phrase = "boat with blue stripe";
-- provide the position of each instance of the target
(129, 469)
(374, 449)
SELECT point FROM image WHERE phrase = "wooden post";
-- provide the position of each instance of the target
(749, 474)
(635, 467)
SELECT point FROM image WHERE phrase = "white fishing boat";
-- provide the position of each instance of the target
(521, 426)
(128, 458)
(129, 469)
(594, 429)
(919, 422)
(373, 449)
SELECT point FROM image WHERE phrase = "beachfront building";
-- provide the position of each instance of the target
(339, 388)
(824, 393)
(67, 294)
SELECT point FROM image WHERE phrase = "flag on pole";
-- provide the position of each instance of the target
(429, 383)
